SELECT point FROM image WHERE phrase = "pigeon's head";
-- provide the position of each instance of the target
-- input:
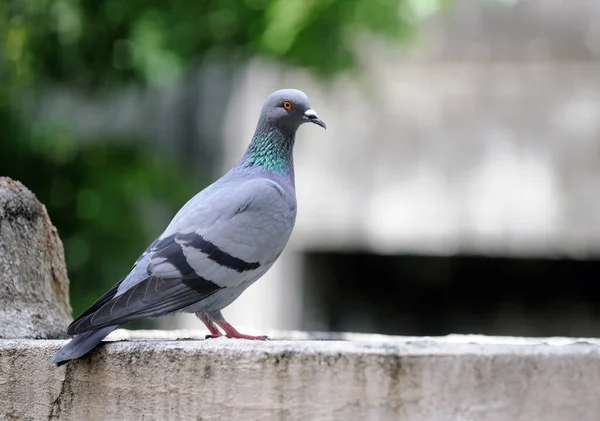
(288, 109)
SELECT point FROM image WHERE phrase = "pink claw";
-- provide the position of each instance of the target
(231, 332)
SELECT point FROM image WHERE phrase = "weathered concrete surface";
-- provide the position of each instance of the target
(34, 288)
(365, 378)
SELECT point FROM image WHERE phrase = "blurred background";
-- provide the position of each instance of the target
(455, 190)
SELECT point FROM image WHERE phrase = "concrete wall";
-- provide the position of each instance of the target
(359, 377)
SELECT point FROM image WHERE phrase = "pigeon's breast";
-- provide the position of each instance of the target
(262, 223)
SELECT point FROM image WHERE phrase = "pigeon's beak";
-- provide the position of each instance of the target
(311, 116)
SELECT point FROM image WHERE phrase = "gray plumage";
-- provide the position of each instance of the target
(219, 243)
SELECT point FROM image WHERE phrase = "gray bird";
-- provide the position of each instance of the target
(218, 244)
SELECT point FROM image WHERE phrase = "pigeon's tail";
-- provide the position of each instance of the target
(81, 345)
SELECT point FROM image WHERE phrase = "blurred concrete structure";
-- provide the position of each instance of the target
(484, 138)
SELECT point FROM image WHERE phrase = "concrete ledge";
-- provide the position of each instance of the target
(362, 377)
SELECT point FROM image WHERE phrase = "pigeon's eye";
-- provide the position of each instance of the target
(287, 105)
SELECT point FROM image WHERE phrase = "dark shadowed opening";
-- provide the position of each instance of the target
(423, 295)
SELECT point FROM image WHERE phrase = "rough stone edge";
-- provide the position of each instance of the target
(59, 277)
(324, 342)
(294, 335)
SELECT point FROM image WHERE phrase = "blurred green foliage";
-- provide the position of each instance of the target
(95, 42)
(97, 192)
(100, 195)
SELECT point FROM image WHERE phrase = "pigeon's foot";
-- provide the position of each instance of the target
(231, 332)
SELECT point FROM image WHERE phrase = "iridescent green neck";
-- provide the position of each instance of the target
(270, 150)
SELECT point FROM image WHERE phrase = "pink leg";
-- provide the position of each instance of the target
(210, 325)
(231, 332)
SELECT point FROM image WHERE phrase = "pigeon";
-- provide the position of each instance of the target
(219, 243)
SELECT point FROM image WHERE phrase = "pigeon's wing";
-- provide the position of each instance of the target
(185, 266)
(150, 298)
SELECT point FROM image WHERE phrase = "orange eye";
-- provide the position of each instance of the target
(287, 105)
